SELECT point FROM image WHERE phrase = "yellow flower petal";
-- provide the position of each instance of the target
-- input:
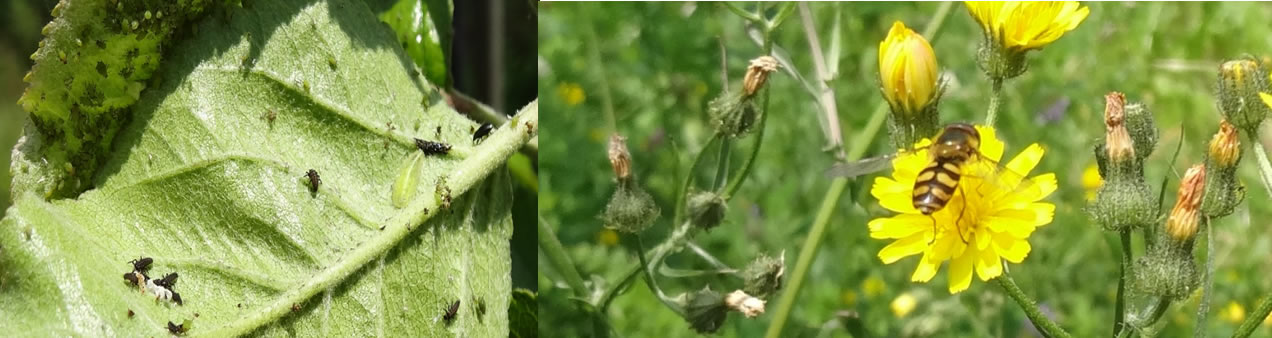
(1012, 249)
(1024, 162)
(1267, 99)
(902, 248)
(893, 195)
(899, 226)
(926, 269)
(991, 147)
(961, 273)
(988, 265)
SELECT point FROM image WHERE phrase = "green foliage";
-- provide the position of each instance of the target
(202, 181)
(662, 65)
(423, 28)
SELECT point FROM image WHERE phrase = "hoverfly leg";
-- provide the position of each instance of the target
(934, 232)
(961, 211)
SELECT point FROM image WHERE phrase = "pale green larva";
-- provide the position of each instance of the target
(408, 179)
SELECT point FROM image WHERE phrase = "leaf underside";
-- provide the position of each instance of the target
(203, 181)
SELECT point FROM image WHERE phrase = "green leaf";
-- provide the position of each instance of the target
(523, 315)
(210, 187)
(423, 28)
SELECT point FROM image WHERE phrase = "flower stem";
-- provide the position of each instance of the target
(735, 182)
(860, 144)
(651, 282)
(1261, 155)
(1119, 311)
(1203, 307)
(1254, 319)
(995, 100)
(560, 260)
(1045, 325)
(722, 164)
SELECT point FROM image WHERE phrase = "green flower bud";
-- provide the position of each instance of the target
(631, 209)
(733, 114)
(1240, 82)
(1143, 130)
(764, 275)
(706, 210)
(1168, 269)
(1122, 205)
(705, 310)
(998, 62)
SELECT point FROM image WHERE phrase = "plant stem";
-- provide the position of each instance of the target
(995, 100)
(736, 182)
(1203, 307)
(722, 164)
(808, 252)
(1261, 155)
(673, 242)
(1045, 325)
(1254, 319)
(651, 282)
(560, 260)
(1119, 311)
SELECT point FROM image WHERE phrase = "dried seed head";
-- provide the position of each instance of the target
(764, 275)
(619, 157)
(1182, 223)
(1225, 147)
(744, 303)
(757, 73)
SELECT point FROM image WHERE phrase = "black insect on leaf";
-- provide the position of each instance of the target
(136, 278)
(483, 131)
(314, 180)
(432, 148)
(142, 264)
(451, 312)
(169, 281)
(176, 329)
(130, 313)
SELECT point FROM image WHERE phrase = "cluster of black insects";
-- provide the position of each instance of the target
(163, 288)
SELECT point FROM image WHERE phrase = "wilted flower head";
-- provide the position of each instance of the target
(1118, 141)
(988, 219)
(907, 70)
(757, 74)
(619, 157)
(1026, 25)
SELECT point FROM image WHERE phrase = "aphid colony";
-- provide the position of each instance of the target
(162, 288)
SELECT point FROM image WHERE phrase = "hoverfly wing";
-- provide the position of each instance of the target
(861, 167)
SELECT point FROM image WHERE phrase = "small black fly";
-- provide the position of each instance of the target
(314, 180)
(142, 264)
(451, 312)
(432, 148)
(130, 313)
(483, 131)
(176, 329)
(168, 282)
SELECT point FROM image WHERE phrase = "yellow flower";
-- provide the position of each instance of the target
(571, 93)
(1267, 99)
(989, 218)
(1091, 180)
(903, 304)
(1233, 313)
(907, 70)
(873, 286)
(1026, 25)
(607, 237)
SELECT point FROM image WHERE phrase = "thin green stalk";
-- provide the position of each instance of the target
(808, 252)
(722, 164)
(657, 254)
(653, 283)
(995, 100)
(556, 255)
(1047, 327)
(598, 69)
(1119, 310)
(1254, 319)
(736, 181)
(1261, 156)
(1203, 308)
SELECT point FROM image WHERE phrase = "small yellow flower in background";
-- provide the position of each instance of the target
(1026, 25)
(907, 70)
(607, 237)
(903, 304)
(989, 218)
(848, 297)
(1091, 180)
(1233, 312)
(571, 93)
(873, 287)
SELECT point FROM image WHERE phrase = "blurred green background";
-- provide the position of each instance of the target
(661, 63)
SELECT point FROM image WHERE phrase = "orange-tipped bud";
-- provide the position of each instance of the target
(1225, 147)
(1117, 140)
(1182, 223)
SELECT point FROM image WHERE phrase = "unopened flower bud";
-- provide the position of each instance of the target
(1223, 191)
(757, 73)
(705, 310)
(748, 305)
(1184, 217)
(910, 82)
(706, 210)
(1166, 270)
(1143, 130)
(619, 157)
(1240, 83)
(764, 275)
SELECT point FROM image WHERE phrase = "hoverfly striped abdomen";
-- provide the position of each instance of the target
(935, 186)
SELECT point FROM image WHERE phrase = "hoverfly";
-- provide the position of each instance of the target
(955, 147)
